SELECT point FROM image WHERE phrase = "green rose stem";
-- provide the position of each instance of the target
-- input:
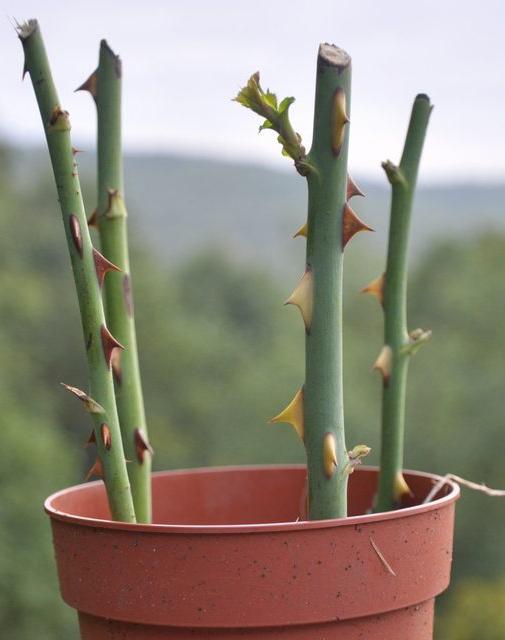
(110, 217)
(89, 268)
(316, 412)
(391, 290)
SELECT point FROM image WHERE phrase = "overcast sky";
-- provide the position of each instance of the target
(184, 60)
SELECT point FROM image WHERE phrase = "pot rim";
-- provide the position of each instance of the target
(267, 527)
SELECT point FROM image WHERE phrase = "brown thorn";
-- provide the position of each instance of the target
(93, 219)
(75, 232)
(109, 343)
(90, 84)
(75, 151)
(91, 440)
(376, 288)
(351, 225)
(106, 436)
(141, 444)
(96, 470)
(352, 188)
(102, 266)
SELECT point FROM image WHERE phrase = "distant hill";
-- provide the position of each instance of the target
(182, 203)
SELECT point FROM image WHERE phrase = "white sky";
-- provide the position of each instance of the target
(184, 59)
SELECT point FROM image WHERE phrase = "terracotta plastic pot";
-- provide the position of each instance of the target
(226, 558)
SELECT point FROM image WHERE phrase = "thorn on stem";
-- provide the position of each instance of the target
(95, 471)
(401, 488)
(91, 405)
(93, 219)
(330, 461)
(102, 266)
(293, 414)
(384, 363)
(376, 288)
(109, 343)
(351, 225)
(302, 231)
(90, 85)
(141, 445)
(106, 436)
(116, 366)
(91, 440)
(303, 297)
(75, 232)
(353, 189)
(339, 120)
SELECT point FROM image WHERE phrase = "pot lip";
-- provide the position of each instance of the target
(267, 527)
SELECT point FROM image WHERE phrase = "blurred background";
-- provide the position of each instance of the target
(212, 209)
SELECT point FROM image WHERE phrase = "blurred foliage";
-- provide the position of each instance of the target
(219, 355)
(477, 610)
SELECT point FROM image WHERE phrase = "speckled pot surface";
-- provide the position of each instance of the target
(226, 558)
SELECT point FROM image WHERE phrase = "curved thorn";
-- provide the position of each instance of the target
(351, 225)
(329, 454)
(303, 297)
(401, 488)
(75, 232)
(384, 362)
(293, 414)
(95, 471)
(141, 445)
(91, 440)
(91, 405)
(302, 231)
(93, 219)
(102, 266)
(90, 84)
(338, 120)
(106, 435)
(109, 343)
(376, 288)
(116, 366)
(353, 189)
